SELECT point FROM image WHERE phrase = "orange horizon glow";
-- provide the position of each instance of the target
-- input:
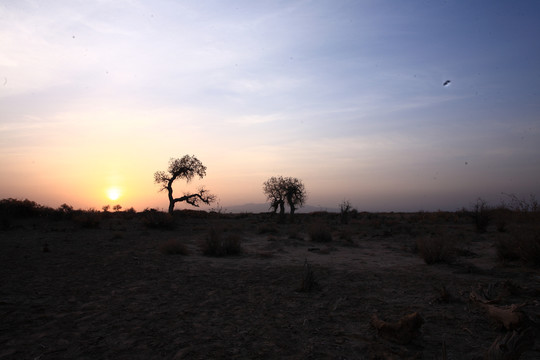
(84, 121)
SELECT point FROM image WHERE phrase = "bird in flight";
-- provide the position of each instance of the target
(446, 83)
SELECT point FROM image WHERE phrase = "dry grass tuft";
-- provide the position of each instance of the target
(481, 214)
(309, 282)
(216, 244)
(435, 250)
(173, 247)
(320, 233)
(524, 245)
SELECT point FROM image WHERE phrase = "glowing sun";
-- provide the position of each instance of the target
(113, 193)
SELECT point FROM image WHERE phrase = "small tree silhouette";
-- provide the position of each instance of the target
(279, 190)
(185, 168)
(295, 193)
(272, 188)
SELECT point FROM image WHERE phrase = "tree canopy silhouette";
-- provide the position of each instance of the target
(279, 190)
(185, 168)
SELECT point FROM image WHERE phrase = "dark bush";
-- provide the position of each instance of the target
(309, 282)
(481, 214)
(216, 244)
(435, 249)
(523, 245)
(320, 233)
(15, 208)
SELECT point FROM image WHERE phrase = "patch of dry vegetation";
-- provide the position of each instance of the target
(309, 282)
(522, 243)
(269, 291)
(435, 249)
(320, 233)
(219, 244)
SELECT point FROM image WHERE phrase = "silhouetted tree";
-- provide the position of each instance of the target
(279, 190)
(295, 193)
(185, 168)
(273, 190)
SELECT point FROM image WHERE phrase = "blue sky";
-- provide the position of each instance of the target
(346, 95)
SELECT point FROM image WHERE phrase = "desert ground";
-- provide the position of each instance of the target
(139, 286)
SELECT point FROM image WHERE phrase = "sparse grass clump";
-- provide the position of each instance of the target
(309, 282)
(320, 233)
(216, 244)
(523, 245)
(481, 214)
(530, 249)
(435, 250)
(173, 247)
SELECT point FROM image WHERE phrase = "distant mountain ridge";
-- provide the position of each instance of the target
(265, 207)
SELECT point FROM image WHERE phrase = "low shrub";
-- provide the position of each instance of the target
(20, 208)
(523, 245)
(173, 247)
(320, 233)
(345, 211)
(216, 244)
(435, 250)
(530, 249)
(481, 214)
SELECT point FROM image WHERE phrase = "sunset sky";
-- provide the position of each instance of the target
(346, 95)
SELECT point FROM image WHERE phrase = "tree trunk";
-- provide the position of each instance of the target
(171, 199)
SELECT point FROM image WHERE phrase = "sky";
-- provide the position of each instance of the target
(347, 96)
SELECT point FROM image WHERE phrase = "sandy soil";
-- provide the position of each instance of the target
(110, 293)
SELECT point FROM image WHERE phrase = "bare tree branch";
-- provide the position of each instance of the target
(185, 168)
